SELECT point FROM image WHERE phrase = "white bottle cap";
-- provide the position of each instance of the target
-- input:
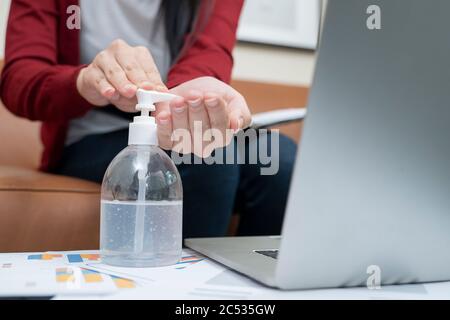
(143, 130)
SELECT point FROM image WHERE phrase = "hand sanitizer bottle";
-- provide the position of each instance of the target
(141, 201)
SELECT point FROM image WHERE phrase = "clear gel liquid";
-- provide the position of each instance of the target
(161, 239)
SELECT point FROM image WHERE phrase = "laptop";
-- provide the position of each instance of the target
(371, 186)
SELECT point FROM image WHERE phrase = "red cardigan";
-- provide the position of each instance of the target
(42, 63)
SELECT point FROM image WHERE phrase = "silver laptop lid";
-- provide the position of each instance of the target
(372, 181)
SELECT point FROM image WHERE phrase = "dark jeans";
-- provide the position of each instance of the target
(211, 193)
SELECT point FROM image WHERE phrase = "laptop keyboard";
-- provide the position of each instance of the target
(269, 253)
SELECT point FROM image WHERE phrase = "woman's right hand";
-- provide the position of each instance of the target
(115, 75)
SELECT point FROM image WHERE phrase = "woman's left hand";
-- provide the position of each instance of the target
(205, 103)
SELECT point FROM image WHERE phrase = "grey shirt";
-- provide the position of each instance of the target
(135, 21)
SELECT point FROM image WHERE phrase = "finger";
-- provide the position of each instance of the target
(180, 114)
(133, 69)
(237, 102)
(145, 60)
(164, 130)
(115, 75)
(125, 104)
(198, 121)
(237, 120)
(97, 79)
(161, 107)
(180, 121)
(218, 114)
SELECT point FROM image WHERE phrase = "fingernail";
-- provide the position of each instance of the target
(179, 109)
(240, 125)
(109, 92)
(163, 120)
(212, 102)
(147, 85)
(129, 88)
(195, 103)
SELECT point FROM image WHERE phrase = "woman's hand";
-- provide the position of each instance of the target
(115, 75)
(206, 101)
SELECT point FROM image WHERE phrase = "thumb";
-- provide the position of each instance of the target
(161, 107)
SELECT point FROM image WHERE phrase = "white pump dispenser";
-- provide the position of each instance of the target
(142, 194)
(143, 129)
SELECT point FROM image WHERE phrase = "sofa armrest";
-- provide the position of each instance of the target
(263, 97)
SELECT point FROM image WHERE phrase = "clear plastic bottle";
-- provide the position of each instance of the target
(141, 200)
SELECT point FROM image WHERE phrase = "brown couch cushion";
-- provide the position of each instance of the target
(21, 144)
(262, 97)
(40, 211)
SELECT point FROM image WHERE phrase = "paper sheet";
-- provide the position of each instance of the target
(50, 273)
(275, 117)
(191, 268)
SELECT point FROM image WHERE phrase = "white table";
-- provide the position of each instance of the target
(210, 280)
(195, 277)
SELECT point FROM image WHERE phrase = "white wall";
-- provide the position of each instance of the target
(4, 9)
(252, 62)
(273, 64)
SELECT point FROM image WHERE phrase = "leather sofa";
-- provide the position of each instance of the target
(40, 211)
(43, 212)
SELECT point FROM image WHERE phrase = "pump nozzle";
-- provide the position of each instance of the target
(143, 129)
(147, 99)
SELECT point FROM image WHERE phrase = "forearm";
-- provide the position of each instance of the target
(34, 84)
(37, 90)
(213, 62)
(211, 52)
